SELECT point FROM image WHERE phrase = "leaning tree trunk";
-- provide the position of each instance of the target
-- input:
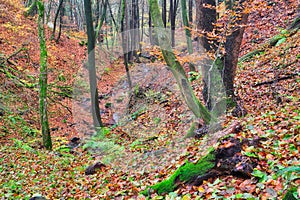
(91, 62)
(186, 90)
(43, 78)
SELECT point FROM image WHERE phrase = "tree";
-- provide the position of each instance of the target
(125, 41)
(43, 78)
(59, 10)
(226, 63)
(31, 9)
(172, 18)
(187, 31)
(186, 90)
(91, 65)
(187, 26)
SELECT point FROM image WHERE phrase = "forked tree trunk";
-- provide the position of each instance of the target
(225, 64)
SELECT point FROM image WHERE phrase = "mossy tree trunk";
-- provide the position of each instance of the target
(185, 174)
(43, 78)
(215, 163)
(186, 90)
(91, 62)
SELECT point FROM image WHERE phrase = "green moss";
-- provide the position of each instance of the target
(186, 173)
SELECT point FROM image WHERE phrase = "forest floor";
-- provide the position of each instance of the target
(144, 141)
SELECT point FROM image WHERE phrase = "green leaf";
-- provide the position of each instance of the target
(259, 174)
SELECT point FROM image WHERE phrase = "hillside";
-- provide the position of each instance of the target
(143, 142)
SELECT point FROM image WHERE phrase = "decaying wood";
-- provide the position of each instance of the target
(92, 169)
(226, 159)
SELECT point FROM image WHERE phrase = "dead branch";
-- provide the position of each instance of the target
(276, 80)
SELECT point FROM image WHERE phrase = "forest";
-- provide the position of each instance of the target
(150, 99)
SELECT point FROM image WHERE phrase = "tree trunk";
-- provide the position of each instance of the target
(172, 17)
(232, 49)
(125, 42)
(43, 78)
(164, 12)
(61, 15)
(186, 90)
(55, 19)
(100, 23)
(206, 17)
(190, 11)
(91, 62)
(150, 27)
(32, 9)
(187, 31)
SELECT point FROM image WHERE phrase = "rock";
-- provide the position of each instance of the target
(93, 168)
(74, 142)
(37, 197)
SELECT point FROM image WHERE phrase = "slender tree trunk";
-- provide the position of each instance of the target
(97, 14)
(164, 12)
(187, 26)
(61, 14)
(150, 28)
(43, 78)
(102, 18)
(125, 35)
(91, 61)
(190, 11)
(171, 17)
(49, 11)
(142, 24)
(55, 18)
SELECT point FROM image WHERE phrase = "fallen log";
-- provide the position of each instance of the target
(224, 160)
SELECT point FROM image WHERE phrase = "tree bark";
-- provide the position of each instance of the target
(186, 90)
(55, 19)
(164, 12)
(125, 42)
(43, 78)
(232, 49)
(91, 62)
